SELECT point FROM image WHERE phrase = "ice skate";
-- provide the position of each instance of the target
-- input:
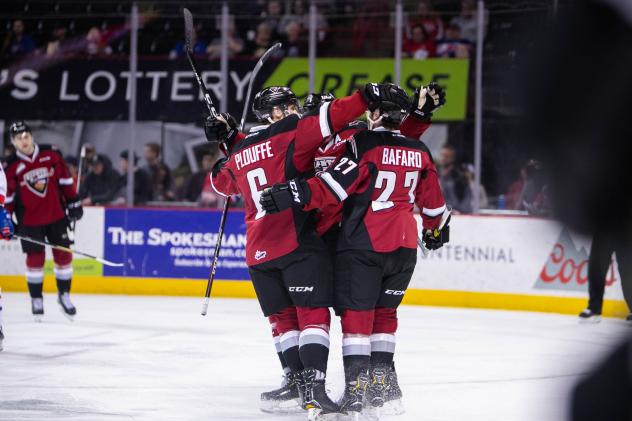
(283, 400)
(588, 316)
(353, 398)
(1, 338)
(628, 319)
(319, 406)
(37, 308)
(66, 306)
(393, 404)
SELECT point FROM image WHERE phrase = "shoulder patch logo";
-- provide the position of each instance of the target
(260, 254)
(36, 180)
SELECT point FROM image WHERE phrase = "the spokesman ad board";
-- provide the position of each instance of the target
(174, 243)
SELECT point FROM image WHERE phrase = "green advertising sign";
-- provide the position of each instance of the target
(343, 76)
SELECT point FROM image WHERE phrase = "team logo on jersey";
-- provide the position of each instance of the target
(260, 254)
(321, 164)
(37, 180)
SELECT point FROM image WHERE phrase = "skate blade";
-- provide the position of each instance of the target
(292, 406)
(590, 321)
(371, 413)
(37, 318)
(394, 407)
(350, 416)
(70, 317)
(316, 414)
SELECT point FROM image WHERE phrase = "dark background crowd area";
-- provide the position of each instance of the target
(440, 28)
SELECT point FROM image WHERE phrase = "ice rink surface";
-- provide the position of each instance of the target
(156, 358)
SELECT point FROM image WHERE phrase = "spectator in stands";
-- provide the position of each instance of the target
(483, 203)
(272, 17)
(95, 44)
(454, 182)
(72, 163)
(467, 21)
(142, 182)
(428, 19)
(199, 48)
(293, 45)
(262, 41)
(101, 183)
(54, 46)
(235, 44)
(159, 173)
(17, 43)
(453, 46)
(91, 157)
(530, 192)
(196, 181)
(419, 46)
(300, 14)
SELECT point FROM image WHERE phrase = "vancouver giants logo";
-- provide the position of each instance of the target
(567, 267)
(37, 180)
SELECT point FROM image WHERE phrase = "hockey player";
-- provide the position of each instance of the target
(288, 262)
(381, 175)
(6, 232)
(41, 194)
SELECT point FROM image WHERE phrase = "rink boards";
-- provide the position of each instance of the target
(515, 263)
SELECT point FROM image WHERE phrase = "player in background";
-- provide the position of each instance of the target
(6, 231)
(380, 178)
(41, 194)
(288, 262)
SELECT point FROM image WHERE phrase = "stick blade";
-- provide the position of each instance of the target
(188, 29)
(108, 263)
(269, 52)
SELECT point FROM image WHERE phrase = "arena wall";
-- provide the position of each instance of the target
(515, 263)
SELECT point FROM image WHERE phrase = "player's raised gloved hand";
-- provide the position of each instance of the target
(74, 209)
(6, 225)
(220, 129)
(436, 238)
(285, 195)
(375, 93)
(427, 100)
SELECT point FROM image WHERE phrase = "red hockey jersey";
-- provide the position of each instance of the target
(38, 185)
(275, 154)
(380, 177)
(333, 149)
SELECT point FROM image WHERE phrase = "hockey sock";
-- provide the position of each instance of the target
(314, 348)
(35, 289)
(35, 273)
(63, 270)
(314, 339)
(289, 348)
(382, 348)
(277, 344)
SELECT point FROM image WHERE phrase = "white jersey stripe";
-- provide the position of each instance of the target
(335, 186)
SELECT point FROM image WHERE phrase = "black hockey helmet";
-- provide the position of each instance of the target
(270, 97)
(391, 113)
(18, 127)
(314, 100)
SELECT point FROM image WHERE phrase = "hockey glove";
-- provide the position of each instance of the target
(74, 209)
(436, 238)
(285, 195)
(427, 100)
(222, 129)
(6, 225)
(376, 93)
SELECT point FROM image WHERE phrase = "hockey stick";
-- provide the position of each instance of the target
(253, 75)
(222, 223)
(68, 250)
(82, 157)
(188, 39)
